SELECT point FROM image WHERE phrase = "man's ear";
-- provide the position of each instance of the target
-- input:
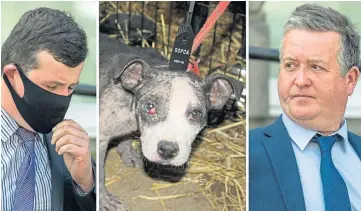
(14, 78)
(219, 89)
(351, 79)
(132, 74)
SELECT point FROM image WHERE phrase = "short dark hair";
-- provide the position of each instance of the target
(45, 29)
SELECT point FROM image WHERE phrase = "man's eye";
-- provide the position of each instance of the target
(51, 87)
(290, 66)
(316, 67)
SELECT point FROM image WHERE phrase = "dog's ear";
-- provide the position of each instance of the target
(132, 74)
(219, 89)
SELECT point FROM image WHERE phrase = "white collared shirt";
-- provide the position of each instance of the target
(308, 158)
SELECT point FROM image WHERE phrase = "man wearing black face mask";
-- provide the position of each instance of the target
(45, 160)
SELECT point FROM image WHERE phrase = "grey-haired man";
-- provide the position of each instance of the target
(307, 159)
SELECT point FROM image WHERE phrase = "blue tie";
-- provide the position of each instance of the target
(25, 182)
(334, 187)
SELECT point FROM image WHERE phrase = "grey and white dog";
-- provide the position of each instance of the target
(139, 93)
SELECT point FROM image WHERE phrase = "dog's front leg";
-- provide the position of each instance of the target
(108, 202)
(131, 157)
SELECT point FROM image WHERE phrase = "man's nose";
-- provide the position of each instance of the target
(302, 78)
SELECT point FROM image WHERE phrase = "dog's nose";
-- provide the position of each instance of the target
(167, 149)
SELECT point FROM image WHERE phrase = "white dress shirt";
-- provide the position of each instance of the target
(308, 158)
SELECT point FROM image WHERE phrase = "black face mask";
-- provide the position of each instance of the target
(41, 109)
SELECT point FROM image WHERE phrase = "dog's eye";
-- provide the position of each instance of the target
(150, 108)
(195, 115)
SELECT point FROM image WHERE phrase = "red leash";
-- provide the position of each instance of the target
(217, 12)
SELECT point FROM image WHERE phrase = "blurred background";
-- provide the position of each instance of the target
(83, 104)
(266, 21)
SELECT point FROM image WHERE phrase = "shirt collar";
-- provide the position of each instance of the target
(302, 136)
(8, 126)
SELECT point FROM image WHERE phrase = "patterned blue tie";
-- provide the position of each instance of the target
(334, 187)
(24, 194)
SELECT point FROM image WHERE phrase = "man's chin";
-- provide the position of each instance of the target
(303, 114)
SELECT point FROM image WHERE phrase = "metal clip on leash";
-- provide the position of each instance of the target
(183, 44)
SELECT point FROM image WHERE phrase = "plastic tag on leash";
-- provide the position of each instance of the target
(183, 44)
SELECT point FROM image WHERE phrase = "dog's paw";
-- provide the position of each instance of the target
(130, 156)
(108, 202)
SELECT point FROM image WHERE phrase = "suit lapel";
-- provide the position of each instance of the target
(57, 189)
(355, 142)
(278, 145)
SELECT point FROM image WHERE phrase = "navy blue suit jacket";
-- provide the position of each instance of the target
(274, 180)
